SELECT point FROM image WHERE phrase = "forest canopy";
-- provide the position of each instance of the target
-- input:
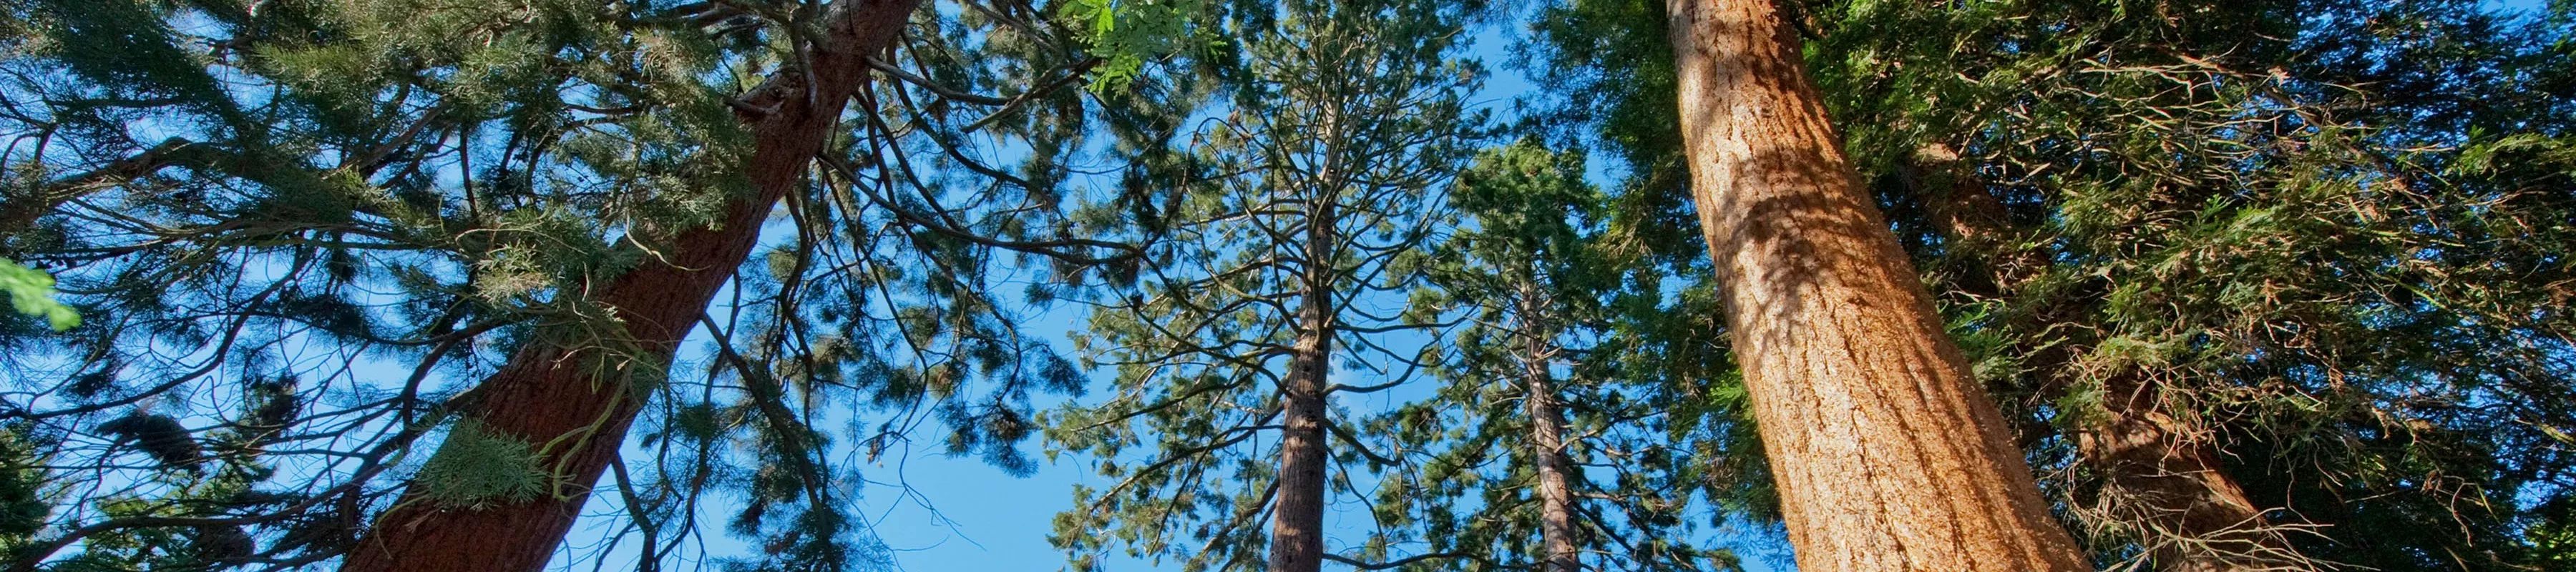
(1288, 286)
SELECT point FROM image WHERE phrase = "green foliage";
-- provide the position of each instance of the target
(477, 469)
(202, 547)
(1126, 33)
(1650, 410)
(31, 292)
(2330, 235)
(263, 207)
(2269, 212)
(2327, 232)
(1612, 63)
(1322, 187)
(24, 503)
(129, 49)
(2553, 533)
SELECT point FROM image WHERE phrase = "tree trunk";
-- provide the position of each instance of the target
(1888, 457)
(2164, 478)
(1547, 439)
(561, 400)
(1297, 525)
(2158, 473)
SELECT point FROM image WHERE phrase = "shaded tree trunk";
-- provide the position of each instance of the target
(574, 406)
(2158, 474)
(1547, 439)
(1297, 525)
(2198, 518)
(1888, 457)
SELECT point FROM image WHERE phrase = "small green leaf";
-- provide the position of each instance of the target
(31, 291)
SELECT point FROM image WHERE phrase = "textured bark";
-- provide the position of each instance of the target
(1972, 219)
(1888, 457)
(2165, 478)
(1297, 521)
(2157, 472)
(1547, 440)
(576, 413)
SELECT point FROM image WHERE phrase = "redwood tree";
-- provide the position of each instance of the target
(2149, 174)
(1888, 455)
(2062, 184)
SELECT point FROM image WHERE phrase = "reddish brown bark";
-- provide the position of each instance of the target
(577, 414)
(1972, 219)
(2158, 472)
(1888, 457)
(1297, 521)
(1547, 439)
(2162, 476)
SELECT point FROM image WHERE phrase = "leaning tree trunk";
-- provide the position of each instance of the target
(1297, 524)
(2159, 475)
(2168, 481)
(1887, 455)
(574, 405)
(1547, 439)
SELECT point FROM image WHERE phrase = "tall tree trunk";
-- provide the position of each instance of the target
(1547, 438)
(1887, 455)
(1297, 525)
(2158, 473)
(576, 413)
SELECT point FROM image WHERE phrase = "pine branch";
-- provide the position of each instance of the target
(1397, 563)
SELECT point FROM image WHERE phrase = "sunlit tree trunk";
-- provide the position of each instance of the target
(1887, 455)
(576, 412)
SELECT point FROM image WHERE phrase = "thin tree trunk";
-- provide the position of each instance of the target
(1297, 525)
(560, 400)
(1888, 457)
(2158, 473)
(1547, 439)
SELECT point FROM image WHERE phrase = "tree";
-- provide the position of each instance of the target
(2161, 485)
(465, 193)
(1581, 409)
(2097, 201)
(2110, 145)
(1888, 455)
(570, 410)
(1273, 267)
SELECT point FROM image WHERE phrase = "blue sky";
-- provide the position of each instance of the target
(941, 513)
(961, 514)
(936, 512)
